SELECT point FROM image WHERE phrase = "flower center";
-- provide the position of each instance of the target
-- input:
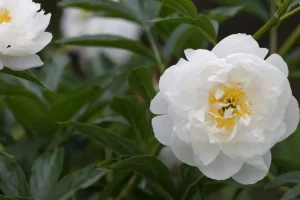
(4, 16)
(227, 105)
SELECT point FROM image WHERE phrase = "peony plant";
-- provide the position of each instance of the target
(149, 99)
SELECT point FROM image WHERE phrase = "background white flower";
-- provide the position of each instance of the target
(22, 33)
(222, 110)
(76, 22)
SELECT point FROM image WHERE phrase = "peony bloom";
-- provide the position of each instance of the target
(22, 34)
(76, 22)
(223, 110)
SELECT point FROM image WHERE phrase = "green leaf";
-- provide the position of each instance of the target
(141, 80)
(20, 91)
(291, 177)
(190, 177)
(63, 110)
(202, 22)
(45, 173)
(184, 36)
(12, 179)
(80, 179)
(106, 138)
(137, 114)
(221, 14)
(108, 41)
(28, 113)
(15, 198)
(185, 7)
(26, 75)
(153, 170)
(110, 7)
(292, 193)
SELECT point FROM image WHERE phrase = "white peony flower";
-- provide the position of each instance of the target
(222, 110)
(76, 22)
(22, 34)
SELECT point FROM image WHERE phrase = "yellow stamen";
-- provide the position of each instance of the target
(4, 16)
(234, 98)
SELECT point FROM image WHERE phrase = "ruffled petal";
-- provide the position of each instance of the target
(254, 170)
(183, 151)
(291, 118)
(163, 128)
(277, 61)
(223, 167)
(19, 63)
(200, 55)
(206, 152)
(159, 105)
(238, 43)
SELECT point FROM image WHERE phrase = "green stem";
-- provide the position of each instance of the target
(273, 33)
(287, 15)
(274, 19)
(270, 176)
(127, 189)
(288, 44)
(156, 52)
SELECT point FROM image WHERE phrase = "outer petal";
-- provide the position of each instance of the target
(238, 43)
(29, 47)
(183, 151)
(163, 128)
(221, 168)
(255, 170)
(19, 63)
(277, 61)
(291, 118)
(206, 152)
(199, 55)
(159, 105)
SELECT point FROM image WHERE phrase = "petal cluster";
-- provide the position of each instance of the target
(76, 22)
(22, 33)
(223, 110)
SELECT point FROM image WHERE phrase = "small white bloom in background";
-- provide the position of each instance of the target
(222, 110)
(77, 22)
(22, 34)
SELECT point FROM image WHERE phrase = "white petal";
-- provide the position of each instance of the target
(19, 63)
(253, 172)
(183, 151)
(277, 61)
(238, 43)
(291, 118)
(206, 152)
(199, 55)
(221, 168)
(159, 105)
(219, 93)
(167, 156)
(163, 128)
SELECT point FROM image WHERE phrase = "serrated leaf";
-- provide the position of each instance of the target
(137, 114)
(45, 173)
(202, 22)
(185, 7)
(190, 177)
(12, 178)
(153, 170)
(292, 193)
(72, 182)
(110, 7)
(26, 75)
(113, 41)
(106, 138)
(291, 177)
(141, 80)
